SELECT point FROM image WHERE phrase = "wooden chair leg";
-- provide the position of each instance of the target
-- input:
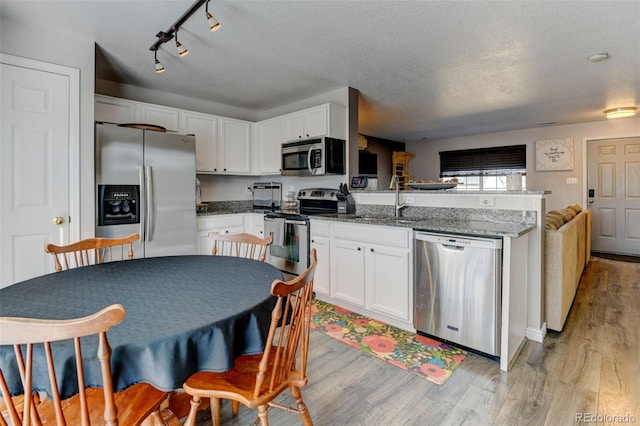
(215, 411)
(235, 407)
(193, 411)
(263, 415)
(302, 408)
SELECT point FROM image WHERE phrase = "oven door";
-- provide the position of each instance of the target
(289, 250)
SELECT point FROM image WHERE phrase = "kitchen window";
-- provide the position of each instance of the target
(484, 169)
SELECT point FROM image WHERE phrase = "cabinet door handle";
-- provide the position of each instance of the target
(359, 248)
(372, 250)
(313, 241)
(226, 231)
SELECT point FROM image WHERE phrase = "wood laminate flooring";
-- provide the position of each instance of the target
(591, 368)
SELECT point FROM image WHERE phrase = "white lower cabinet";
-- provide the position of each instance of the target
(387, 272)
(254, 224)
(319, 230)
(370, 270)
(223, 224)
(347, 271)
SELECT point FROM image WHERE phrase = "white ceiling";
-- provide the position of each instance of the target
(424, 69)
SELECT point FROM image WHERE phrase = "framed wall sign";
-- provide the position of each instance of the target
(556, 154)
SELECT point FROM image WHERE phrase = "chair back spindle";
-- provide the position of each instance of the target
(30, 333)
(92, 251)
(240, 245)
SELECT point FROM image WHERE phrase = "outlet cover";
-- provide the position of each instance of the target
(410, 200)
(487, 202)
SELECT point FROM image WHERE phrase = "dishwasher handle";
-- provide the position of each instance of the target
(452, 248)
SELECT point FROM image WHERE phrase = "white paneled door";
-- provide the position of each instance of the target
(34, 169)
(613, 184)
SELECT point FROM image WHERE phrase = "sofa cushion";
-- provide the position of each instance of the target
(553, 221)
(575, 207)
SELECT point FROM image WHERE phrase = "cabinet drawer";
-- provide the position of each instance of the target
(221, 221)
(386, 235)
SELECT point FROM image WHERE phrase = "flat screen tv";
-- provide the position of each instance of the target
(368, 163)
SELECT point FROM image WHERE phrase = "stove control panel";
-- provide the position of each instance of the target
(328, 194)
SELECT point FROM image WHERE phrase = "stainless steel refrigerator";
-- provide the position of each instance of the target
(145, 184)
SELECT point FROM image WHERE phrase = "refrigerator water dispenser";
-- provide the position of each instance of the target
(118, 204)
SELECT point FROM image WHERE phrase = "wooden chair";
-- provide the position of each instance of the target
(240, 245)
(91, 251)
(256, 380)
(138, 404)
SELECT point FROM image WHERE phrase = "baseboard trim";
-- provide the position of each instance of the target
(537, 335)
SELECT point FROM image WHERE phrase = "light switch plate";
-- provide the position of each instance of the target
(572, 180)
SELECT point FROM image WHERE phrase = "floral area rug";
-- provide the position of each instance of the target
(412, 352)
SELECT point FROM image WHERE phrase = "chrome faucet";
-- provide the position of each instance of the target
(398, 206)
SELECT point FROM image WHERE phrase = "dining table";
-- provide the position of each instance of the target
(183, 314)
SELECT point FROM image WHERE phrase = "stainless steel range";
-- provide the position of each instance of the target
(289, 250)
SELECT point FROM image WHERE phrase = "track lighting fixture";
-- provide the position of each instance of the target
(165, 36)
(214, 25)
(182, 51)
(159, 67)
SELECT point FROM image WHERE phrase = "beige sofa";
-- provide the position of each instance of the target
(567, 252)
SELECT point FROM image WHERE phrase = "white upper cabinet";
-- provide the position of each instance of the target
(205, 129)
(323, 120)
(167, 117)
(234, 137)
(119, 111)
(226, 145)
(269, 136)
(114, 110)
(294, 126)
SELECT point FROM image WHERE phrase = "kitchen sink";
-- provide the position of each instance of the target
(370, 218)
(403, 220)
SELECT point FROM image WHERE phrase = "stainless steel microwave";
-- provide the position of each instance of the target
(314, 157)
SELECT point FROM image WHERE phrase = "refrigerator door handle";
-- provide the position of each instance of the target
(142, 222)
(149, 221)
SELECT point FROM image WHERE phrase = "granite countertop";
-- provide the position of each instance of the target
(462, 227)
(451, 225)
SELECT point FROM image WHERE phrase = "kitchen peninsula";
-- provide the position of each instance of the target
(513, 216)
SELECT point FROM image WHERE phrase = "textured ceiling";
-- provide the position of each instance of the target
(424, 69)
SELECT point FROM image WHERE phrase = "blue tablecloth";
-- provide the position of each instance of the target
(183, 314)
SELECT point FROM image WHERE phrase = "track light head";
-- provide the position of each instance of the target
(214, 25)
(182, 51)
(159, 68)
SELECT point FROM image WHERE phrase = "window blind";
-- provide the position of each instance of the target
(492, 161)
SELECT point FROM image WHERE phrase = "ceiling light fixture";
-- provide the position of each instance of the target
(599, 57)
(159, 68)
(182, 51)
(214, 25)
(165, 36)
(620, 112)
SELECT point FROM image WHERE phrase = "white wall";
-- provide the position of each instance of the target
(70, 51)
(426, 164)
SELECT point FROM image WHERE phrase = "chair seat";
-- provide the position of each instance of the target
(134, 405)
(239, 383)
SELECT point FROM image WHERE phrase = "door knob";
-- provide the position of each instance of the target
(58, 220)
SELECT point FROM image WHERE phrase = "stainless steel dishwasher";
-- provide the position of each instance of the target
(457, 289)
